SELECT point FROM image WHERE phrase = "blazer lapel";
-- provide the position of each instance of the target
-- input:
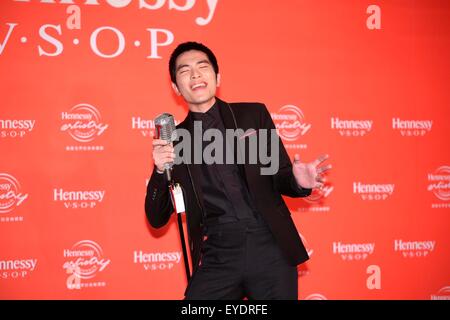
(194, 170)
(231, 123)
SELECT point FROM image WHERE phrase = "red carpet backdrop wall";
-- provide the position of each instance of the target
(365, 81)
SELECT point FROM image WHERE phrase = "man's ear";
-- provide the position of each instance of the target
(175, 88)
(218, 80)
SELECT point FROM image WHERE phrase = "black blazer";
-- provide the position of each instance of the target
(266, 190)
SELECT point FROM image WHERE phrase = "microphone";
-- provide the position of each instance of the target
(165, 130)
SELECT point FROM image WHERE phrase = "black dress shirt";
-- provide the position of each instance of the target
(225, 194)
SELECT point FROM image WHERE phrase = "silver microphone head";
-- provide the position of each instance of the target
(165, 127)
(165, 130)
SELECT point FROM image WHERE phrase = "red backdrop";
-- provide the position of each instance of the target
(364, 81)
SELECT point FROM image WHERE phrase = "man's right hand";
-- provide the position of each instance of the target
(163, 152)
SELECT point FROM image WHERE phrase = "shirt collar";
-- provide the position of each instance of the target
(213, 113)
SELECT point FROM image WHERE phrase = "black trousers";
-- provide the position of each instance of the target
(241, 259)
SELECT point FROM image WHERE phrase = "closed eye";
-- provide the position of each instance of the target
(203, 64)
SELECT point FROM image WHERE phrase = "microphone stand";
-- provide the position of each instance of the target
(176, 195)
(164, 126)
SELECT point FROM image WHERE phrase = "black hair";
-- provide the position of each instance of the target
(186, 46)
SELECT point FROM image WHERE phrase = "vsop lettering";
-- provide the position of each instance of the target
(78, 199)
(159, 37)
(15, 128)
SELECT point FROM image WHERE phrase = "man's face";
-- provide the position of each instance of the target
(196, 79)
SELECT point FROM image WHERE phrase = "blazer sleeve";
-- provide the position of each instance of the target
(284, 180)
(158, 205)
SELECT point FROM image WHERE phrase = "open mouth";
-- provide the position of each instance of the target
(197, 86)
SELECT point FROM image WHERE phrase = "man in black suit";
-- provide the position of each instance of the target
(242, 239)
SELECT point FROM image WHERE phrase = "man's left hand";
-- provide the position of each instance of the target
(309, 175)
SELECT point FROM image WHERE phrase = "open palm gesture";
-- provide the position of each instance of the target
(309, 175)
